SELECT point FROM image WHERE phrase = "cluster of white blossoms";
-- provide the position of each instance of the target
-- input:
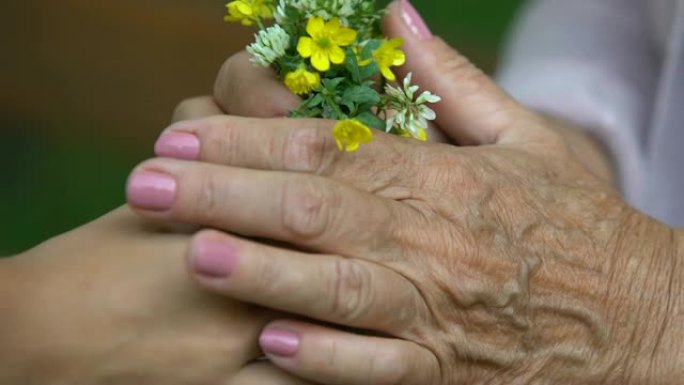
(326, 9)
(271, 44)
(410, 115)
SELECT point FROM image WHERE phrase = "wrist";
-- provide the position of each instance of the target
(648, 302)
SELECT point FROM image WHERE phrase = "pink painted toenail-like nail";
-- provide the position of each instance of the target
(213, 259)
(414, 21)
(178, 145)
(151, 191)
(279, 342)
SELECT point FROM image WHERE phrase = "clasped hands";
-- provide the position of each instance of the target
(502, 257)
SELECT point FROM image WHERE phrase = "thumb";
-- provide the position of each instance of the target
(473, 110)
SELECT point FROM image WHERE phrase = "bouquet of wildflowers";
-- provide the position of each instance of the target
(333, 55)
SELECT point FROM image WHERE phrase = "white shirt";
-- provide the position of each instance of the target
(615, 67)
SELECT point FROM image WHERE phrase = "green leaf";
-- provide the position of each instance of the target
(353, 66)
(368, 71)
(369, 48)
(314, 101)
(371, 120)
(332, 84)
(361, 95)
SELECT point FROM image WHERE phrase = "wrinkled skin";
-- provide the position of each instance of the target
(499, 263)
(510, 259)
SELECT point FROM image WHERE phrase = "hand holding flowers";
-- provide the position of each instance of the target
(505, 261)
(332, 54)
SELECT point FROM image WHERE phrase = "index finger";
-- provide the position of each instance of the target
(244, 89)
(302, 146)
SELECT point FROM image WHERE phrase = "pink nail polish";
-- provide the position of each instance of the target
(213, 259)
(179, 145)
(414, 21)
(279, 342)
(151, 191)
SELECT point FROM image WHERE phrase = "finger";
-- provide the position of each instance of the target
(195, 108)
(473, 110)
(244, 89)
(334, 357)
(265, 373)
(185, 146)
(339, 290)
(306, 210)
(304, 145)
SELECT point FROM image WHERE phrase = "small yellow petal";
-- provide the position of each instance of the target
(302, 81)
(243, 8)
(305, 47)
(315, 26)
(337, 55)
(334, 24)
(345, 36)
(320, 61)
(399, 58)
(353, 146)
(350, 134)
(388, 74)
(422, 136)
(314, 79)
(266, 12)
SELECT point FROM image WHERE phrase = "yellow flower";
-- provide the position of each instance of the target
(350, 134)
(388, 55)
(302, 82)
(324, 45)
(248, 12)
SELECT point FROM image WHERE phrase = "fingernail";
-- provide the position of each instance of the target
(179, 145)
(213, 259)
(279, 342)
(151, 191)
(414, 21)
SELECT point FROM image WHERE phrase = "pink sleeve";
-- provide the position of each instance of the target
(592, 62)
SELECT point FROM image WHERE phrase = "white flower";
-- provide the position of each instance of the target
(410, 116)
(326, 9)
(270, 45)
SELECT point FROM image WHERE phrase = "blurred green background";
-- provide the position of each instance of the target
(87, 85)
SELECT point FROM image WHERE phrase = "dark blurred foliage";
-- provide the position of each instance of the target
(87, 85)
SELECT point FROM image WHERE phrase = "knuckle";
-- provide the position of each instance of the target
(206, 204)
(217, 137)
(462, 69)
(269, 277)
(388, 368)
(306, 208)
(351, 290)
(306, 150)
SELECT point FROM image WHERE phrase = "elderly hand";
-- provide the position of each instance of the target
(507, 261)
